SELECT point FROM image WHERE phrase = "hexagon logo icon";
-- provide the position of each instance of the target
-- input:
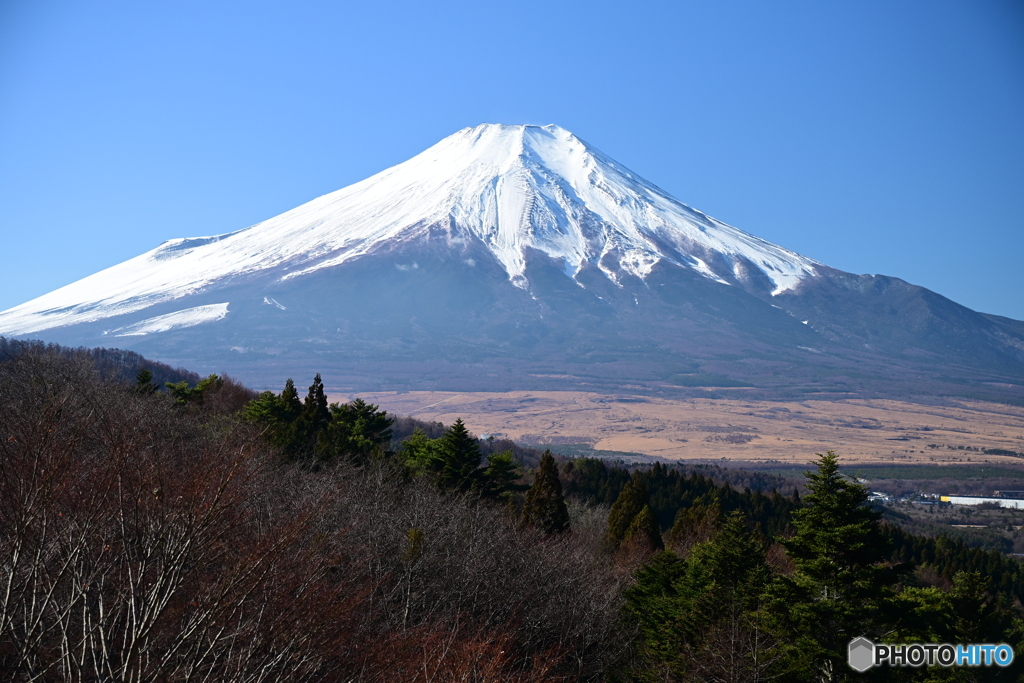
(861, 654)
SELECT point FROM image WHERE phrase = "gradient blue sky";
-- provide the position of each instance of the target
(876, 137)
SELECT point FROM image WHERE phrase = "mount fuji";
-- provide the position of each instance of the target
(520, 256)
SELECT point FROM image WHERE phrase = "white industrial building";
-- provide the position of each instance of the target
(979, 500)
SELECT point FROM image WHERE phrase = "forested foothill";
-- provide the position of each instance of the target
(166, 527)
(114, 365)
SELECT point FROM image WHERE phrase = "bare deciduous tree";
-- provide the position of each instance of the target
(143, 541)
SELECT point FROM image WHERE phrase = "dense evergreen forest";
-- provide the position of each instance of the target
(166, 527)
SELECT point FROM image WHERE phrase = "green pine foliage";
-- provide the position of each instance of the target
(454, 461)
(644, 531)
(691, 506)
(631, 502)
(144, 382)
(315, 413)
(545, 506)
(185, 394)
(499, 479)
(653, 604)
(419, 453)
(307, 433)
(356, 431)
(314, 432)
(695, 524)
(703, 618)
(671, 489)
(724, 612)
(290, 400)
(592, 481)
(457, 458)
(966, 613)
(947, 557)
(842, 586)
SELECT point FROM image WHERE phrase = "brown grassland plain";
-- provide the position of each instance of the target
(861, 430)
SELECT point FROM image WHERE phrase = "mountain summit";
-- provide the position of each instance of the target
(512, 189)
(515, 252)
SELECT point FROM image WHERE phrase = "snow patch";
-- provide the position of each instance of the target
(702, 268)
(189, 317)
(273, 302)
(639, 263)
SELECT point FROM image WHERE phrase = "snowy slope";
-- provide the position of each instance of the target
(510, 188)
(189, 317)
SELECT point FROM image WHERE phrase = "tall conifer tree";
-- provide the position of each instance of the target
(545, 506)
(458, 457)
(314, 408)
(357, 430)
(644, 531)
(499, 477)
(290, 403)
(631, 501)
(841, 587)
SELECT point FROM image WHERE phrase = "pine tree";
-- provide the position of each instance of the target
(419, 453)
(652, 603)
(695, 524)
(290, 403)
(701, 618)
(314, 408)
(280, 415)
(978, 616)
(185, 395)
(499, 477)
(144, 382)
(357, 430)
(306, 432)
(631, 501)
(265, 410)
(644, 531)
(841, 586)
(545, 507)
(459, 457)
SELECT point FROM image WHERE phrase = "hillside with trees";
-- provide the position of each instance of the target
(114, 365)
(192, 529)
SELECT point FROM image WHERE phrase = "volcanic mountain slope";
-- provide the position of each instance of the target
(520, 256)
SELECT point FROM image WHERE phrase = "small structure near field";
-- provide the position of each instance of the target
(981, 500)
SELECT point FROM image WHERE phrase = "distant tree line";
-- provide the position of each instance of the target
(312, 433)
(673, 492)
(727, 601)
(112, 365)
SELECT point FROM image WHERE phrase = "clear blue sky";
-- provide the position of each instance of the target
(876, 137)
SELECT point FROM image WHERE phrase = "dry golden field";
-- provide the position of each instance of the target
(862, 431)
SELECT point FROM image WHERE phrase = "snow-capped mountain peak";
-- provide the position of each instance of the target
(512, 189)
